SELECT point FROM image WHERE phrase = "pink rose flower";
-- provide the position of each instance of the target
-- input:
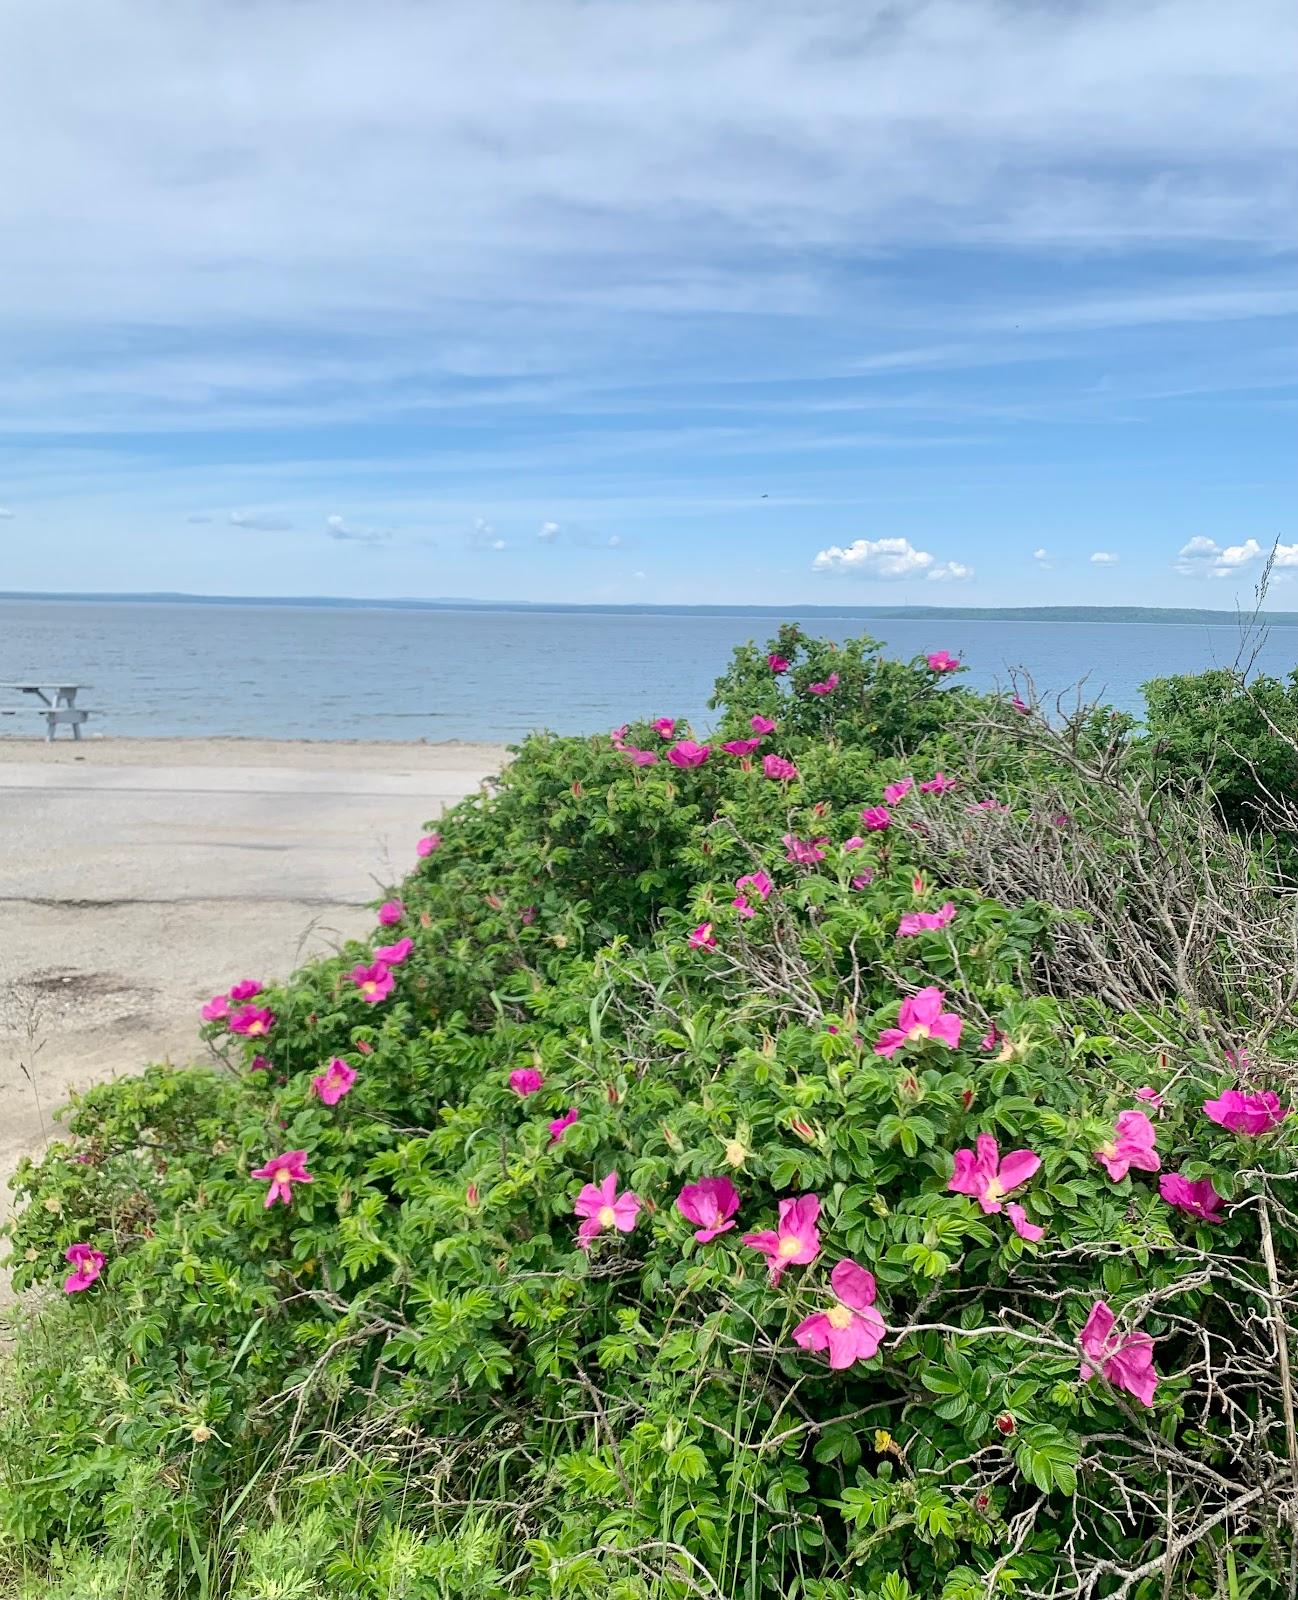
(1197, 1199)
(864, 879)
(1126, 1361)
(939, 783)
(248, 989)
(876, 818)
(375, 982)
(760, 724)
(640, 758)
(940, 662)
(826, 687)
(851, 1330)
(740, 747)
(334, 1082)
(392, 955)
(710, 1204)
(778, 768)
(664, 727)
(1131, 1146)
(921, 1018)
(283, 1171)
(390, 913)
(1150, 1096)
(1021, 706)
(86, 1266)
(429, 843)
(254, 1021)
(988, 1177)
(777, 663)
(216, 1008)
(856, 842)
(756, 882)
(987, 805)
(560, 1125)
(524, 1081)
(685, 753)
(701, 938)
(913, 922)
(894, 792)
(1246, 1113)
(742, 909)
(603, 1207)
(804, 853)
(796, 1239)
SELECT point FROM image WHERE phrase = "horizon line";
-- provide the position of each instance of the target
(462, 603)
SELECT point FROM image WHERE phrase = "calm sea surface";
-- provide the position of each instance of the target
(322, 673)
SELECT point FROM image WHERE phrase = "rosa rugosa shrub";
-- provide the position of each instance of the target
(690, 1188)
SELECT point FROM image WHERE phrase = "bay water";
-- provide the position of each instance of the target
(166, 669)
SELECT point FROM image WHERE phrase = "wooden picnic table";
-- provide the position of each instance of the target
(58, 704)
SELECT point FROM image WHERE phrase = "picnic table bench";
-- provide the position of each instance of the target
(58, 704)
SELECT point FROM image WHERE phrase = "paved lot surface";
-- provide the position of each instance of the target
(138, 877)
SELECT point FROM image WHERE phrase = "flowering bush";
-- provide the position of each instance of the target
(683, 1193)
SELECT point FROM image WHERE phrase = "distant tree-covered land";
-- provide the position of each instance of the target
(1168, 614)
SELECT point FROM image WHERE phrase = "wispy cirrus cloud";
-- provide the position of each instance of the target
(554, 533)
(259, 521)
(339, 528)
(596, 273)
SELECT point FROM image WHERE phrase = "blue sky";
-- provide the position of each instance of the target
(963, 302)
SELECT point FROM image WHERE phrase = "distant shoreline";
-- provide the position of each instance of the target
(1167, 615)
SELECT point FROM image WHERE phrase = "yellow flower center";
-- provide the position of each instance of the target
(607, 1216)
(995, 1189)
(839, 1317)
(1110, 1149)
(369, 987)
(919, 1031)
(790, 1247)
(282, 1175)
(257, 1027)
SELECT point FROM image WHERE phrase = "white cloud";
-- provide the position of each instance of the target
(1205, 558)
(1104, 558)
(549, 532)
(6, 515)
(482, 536)
(339, 528)
(887, 559)
(258, 522)
(1041, 555)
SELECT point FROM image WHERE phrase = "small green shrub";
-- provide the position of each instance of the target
(1236, 739)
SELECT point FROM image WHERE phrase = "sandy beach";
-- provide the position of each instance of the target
(137, 877)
